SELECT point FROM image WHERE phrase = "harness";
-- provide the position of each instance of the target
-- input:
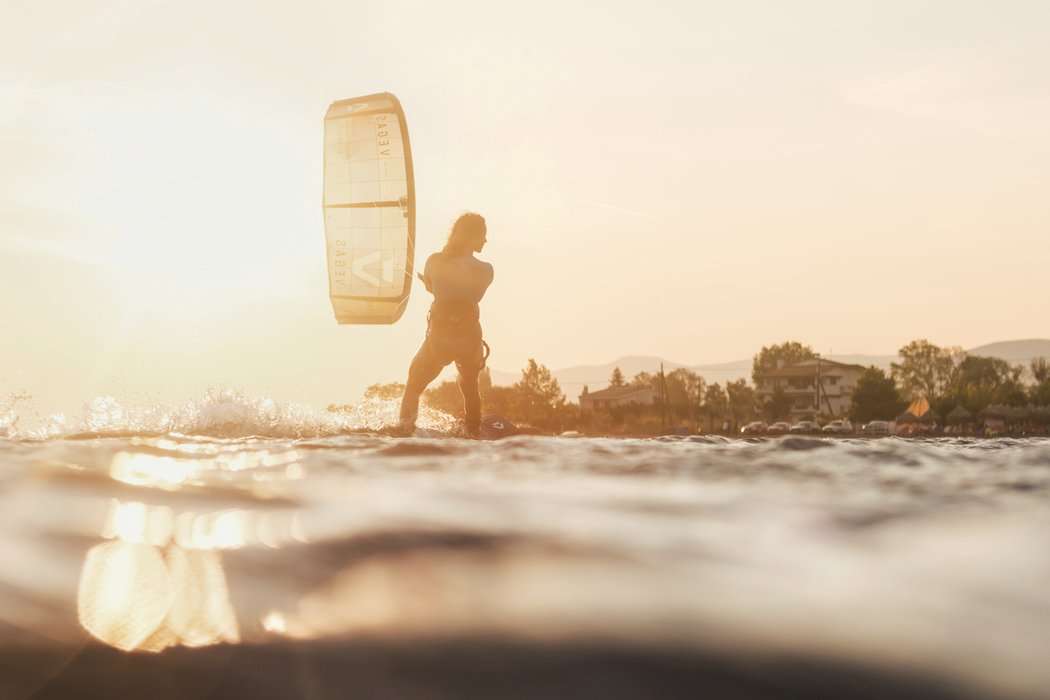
(456, 318)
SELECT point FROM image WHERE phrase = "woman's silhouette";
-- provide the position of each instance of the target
(458, 281)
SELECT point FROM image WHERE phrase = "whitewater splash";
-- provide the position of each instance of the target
(247, 547)
(219, 413)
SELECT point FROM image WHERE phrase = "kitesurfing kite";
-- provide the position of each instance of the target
(369, 209)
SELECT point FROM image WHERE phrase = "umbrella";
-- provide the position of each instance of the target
(1020, 413)
(995, 411)
(907, 417)
(959, 414)
(919, 406)
(930, 416)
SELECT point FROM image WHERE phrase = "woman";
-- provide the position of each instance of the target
(458, 281)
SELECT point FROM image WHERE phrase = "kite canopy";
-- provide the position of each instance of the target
(369, 209)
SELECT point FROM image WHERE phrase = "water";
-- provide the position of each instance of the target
(234, 535)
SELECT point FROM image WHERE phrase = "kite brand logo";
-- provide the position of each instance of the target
(339, 275)
(383, 134)
(374, 257)
(346, 266)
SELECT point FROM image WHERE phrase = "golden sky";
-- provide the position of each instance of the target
(690, 180)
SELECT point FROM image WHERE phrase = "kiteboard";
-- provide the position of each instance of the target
(493, 427)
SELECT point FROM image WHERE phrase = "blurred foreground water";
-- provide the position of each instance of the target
(318, 564)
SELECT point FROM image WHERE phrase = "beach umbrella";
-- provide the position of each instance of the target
(959, 414)
(930, 416)
(907, 417)
(995, 411)
(919, 407)
(1020, 413)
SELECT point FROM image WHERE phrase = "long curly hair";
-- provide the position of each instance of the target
(464, 234)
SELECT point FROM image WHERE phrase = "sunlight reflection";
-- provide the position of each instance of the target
(219, 530)
(158, 581)
(146, 590)
(138, 523)
(170, 472)
(274, 622)
(150, 470)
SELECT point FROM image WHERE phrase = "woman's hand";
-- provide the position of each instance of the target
(424, 281)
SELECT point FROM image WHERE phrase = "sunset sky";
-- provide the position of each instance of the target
(690, 180)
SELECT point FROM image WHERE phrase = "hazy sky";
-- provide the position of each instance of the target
(688, 179)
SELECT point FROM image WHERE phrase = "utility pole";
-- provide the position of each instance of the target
(817, 403)
(696, 416)
(663, 400)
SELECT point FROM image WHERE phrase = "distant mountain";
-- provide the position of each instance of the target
(1014, 351)
(594, 377)
(573, 379)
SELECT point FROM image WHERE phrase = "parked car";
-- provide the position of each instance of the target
(754, 428)
(778, 428)
(806, 426)
(838, 427)
(876, 427)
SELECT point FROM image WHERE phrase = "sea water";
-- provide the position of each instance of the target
(211, 545)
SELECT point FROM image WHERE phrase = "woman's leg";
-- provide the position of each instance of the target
(470, 359)
(424, 369)
(468, 384)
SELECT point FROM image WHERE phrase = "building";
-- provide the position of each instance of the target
(799, 382)
(615, 396)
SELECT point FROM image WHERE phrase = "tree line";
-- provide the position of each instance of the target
(683, 401)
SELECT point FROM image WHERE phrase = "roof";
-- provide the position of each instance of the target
(808, 368)
(617, 392)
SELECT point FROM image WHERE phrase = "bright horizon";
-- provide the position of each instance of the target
(694, 183)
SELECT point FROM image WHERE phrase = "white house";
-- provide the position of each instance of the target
(800, 381)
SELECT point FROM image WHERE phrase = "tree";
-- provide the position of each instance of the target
(393, 390)
(788, 352)
(679, 392)
(540, 399)
(617, 378)
(1040, 369)
(778, 405)
(925, 369)
(685, 389)
(981, 381)
(716, 404)
(501, 400)
(446, 397)
(875, 397)
(1039, 393)
(743, 402)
